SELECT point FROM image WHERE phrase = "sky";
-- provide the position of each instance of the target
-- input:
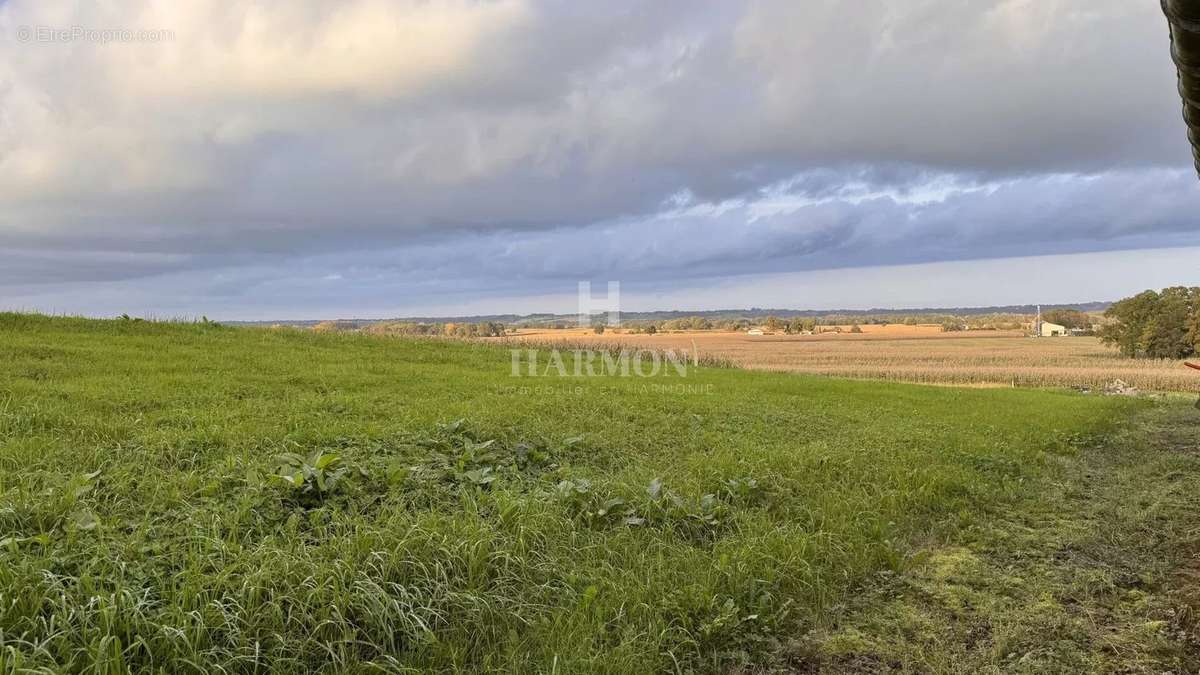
(275, 160)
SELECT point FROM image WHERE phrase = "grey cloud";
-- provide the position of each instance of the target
(784, 230)
(802, 230)
(474, 145)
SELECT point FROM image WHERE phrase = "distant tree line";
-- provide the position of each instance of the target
(1156, 325)
(693, 323)
(463, 329)
(478, 329)
(798, 325)
(992, 321)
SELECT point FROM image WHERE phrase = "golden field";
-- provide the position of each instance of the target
(921, 354)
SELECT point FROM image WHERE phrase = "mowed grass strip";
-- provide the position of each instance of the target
(1096, 574)
(593, 524)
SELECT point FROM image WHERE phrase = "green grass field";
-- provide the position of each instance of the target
(602, 524)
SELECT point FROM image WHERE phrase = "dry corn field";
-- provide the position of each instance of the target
(909, 354)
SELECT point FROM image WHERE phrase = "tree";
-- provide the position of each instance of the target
(1069, 318)
(651, 329)
(598, 329)
(801, 325)
(1155, 325)
(855, 328)
(774, 323)
(1166, 334)
(1194, 327)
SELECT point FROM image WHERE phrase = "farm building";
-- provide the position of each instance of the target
(1053, 330)
(755, 331)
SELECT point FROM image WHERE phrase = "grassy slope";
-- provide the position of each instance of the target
(196, 559)
(1100, 573)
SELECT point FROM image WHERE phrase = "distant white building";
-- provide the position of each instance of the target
(1053, 330)
(755, 331)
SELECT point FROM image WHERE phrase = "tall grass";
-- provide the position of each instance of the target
(607, 527)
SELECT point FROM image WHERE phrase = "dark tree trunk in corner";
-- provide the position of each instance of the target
(1184, 16)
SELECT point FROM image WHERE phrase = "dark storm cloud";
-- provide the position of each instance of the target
(797, 232)
(465, 145)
